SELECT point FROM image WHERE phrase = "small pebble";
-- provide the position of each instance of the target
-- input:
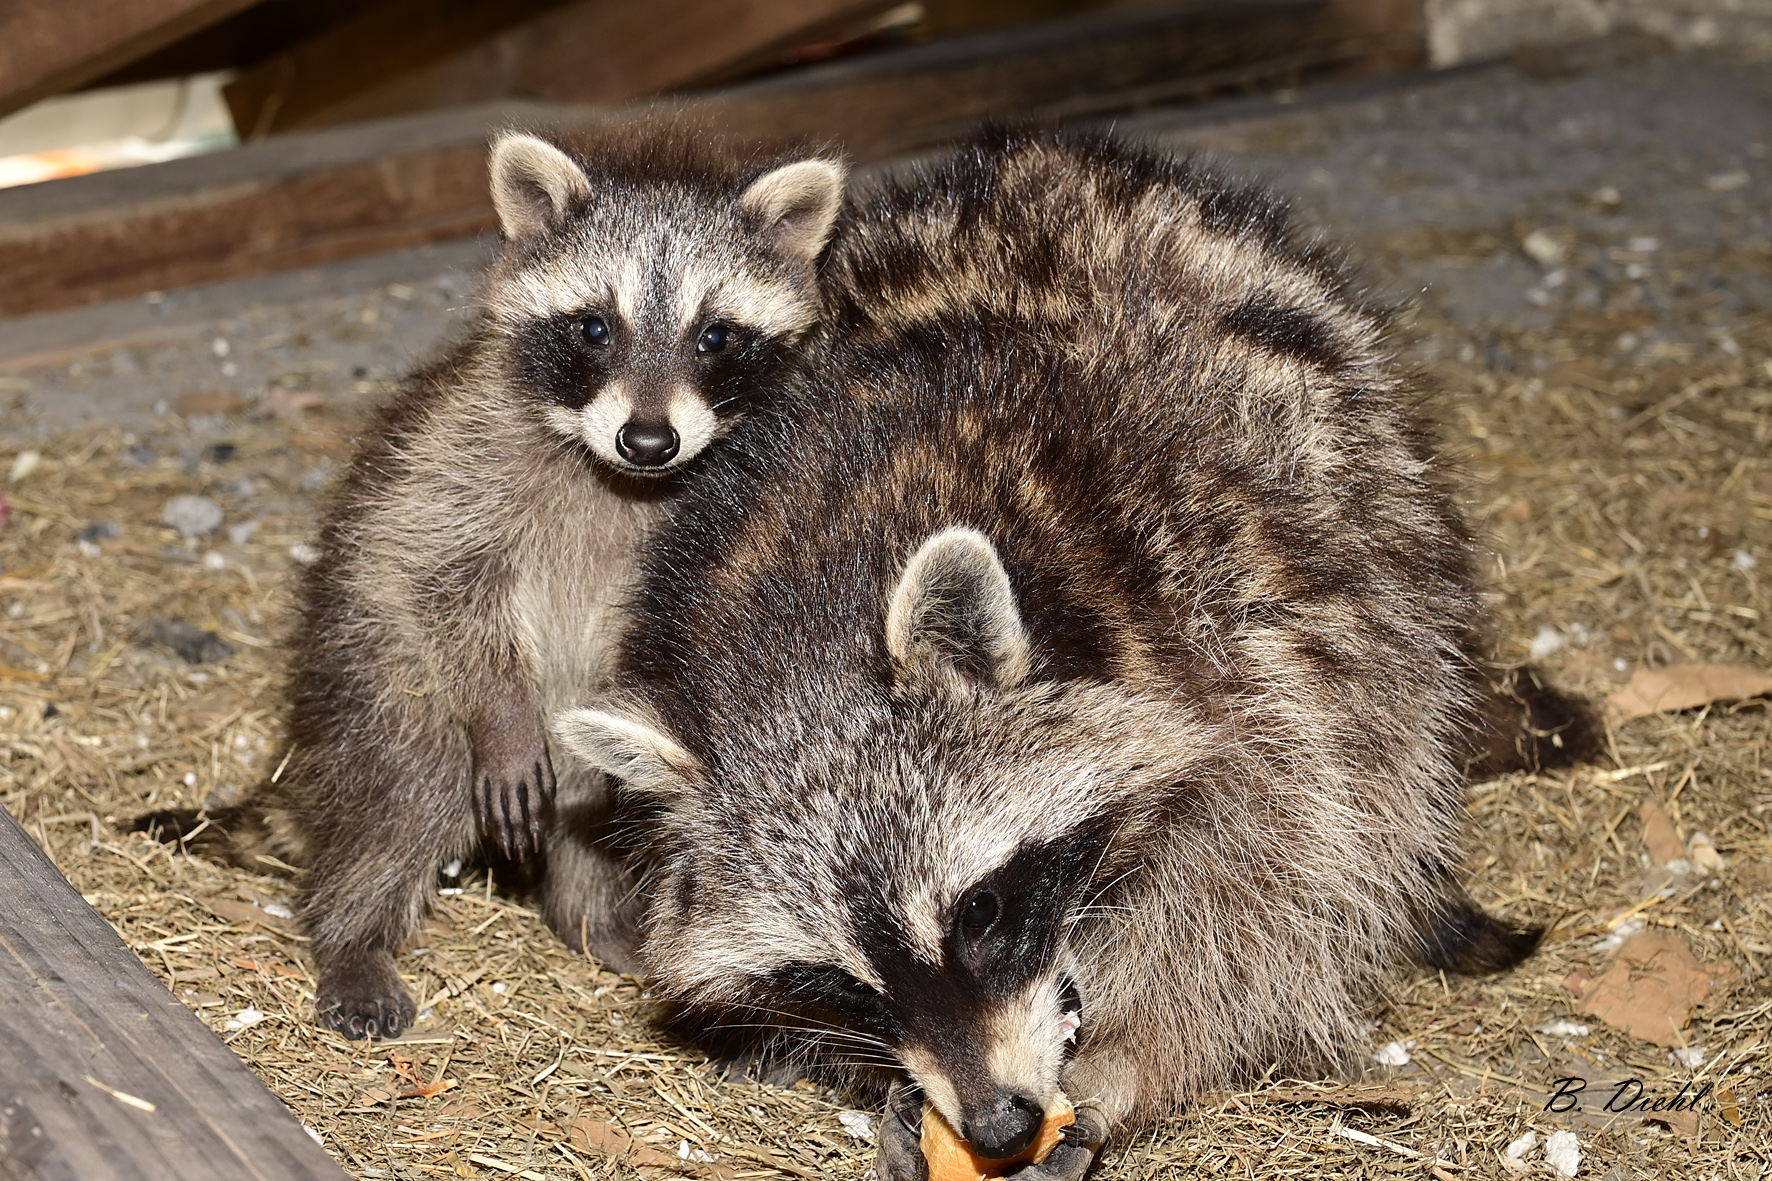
(1542, 248)
(24, 464)
(193, 644)
(213, 560)
(315, 477)
(193, 516)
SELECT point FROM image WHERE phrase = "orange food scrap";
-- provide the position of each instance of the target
(952, 1159)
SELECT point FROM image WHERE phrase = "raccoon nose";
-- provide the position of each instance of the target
(1005, 1128)
(646, 444)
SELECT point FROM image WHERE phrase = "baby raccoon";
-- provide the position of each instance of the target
(474, 561)
(1081, 706)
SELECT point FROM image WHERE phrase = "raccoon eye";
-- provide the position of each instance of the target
(979, 913)
(595, 330)
(714, 338)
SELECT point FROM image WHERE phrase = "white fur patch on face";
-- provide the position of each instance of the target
(1026, 1042)
(773, 309)
(696, 425)
(561, 285)
(597, 423)
(925, 1070)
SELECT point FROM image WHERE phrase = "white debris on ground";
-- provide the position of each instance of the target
(1394, 1054)
(1547, 641)
(857, 1124)
(245, 1018)
(1562, 1151)
(1513, 1157)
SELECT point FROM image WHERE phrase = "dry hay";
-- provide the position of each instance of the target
(1615, 502)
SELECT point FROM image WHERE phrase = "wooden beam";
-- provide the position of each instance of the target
(103, 1073)
(880, 104)
(48, 48)
(299, 200)
(312, 197)
(414, 55)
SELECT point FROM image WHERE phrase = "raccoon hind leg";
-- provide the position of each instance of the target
(251, 834)
(588, 895)
(1527, 724)
(1461, 937)
(387, 815)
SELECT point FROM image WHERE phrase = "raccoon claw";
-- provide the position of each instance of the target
(513, 807)
(901, 1133)
(1073, 1155)
(364, 1006)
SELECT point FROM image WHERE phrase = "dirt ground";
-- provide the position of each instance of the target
(1583, 255)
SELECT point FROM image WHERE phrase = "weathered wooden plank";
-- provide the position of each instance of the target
(103, 1073)
(301, 200)
(312, 197)
(598, 52)
(47, 48)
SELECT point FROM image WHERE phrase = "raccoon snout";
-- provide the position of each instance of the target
(1005, 1128)
(646, 444)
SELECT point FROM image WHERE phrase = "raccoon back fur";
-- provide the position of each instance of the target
(473, 564)
(1083, 705)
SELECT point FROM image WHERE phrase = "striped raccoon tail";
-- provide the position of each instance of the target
(239, 835)
(1526, 724)
(1460, 936)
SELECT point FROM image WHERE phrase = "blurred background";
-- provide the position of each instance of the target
(358, 124)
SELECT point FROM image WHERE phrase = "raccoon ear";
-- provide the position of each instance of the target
(533, 184)
(954, 606)
(629, 748)
(797, 205)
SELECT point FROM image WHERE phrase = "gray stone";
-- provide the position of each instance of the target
(193, 516)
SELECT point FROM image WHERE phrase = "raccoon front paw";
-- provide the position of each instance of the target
(1073, 1155)
(901, 1138)
(513, 797)
(365, 1000)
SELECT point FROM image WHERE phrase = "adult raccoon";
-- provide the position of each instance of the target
(474, 561)
(1081, 703)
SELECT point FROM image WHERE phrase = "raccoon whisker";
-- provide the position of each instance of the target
(827, 1032)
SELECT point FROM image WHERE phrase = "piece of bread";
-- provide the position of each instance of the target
(951, 1158)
